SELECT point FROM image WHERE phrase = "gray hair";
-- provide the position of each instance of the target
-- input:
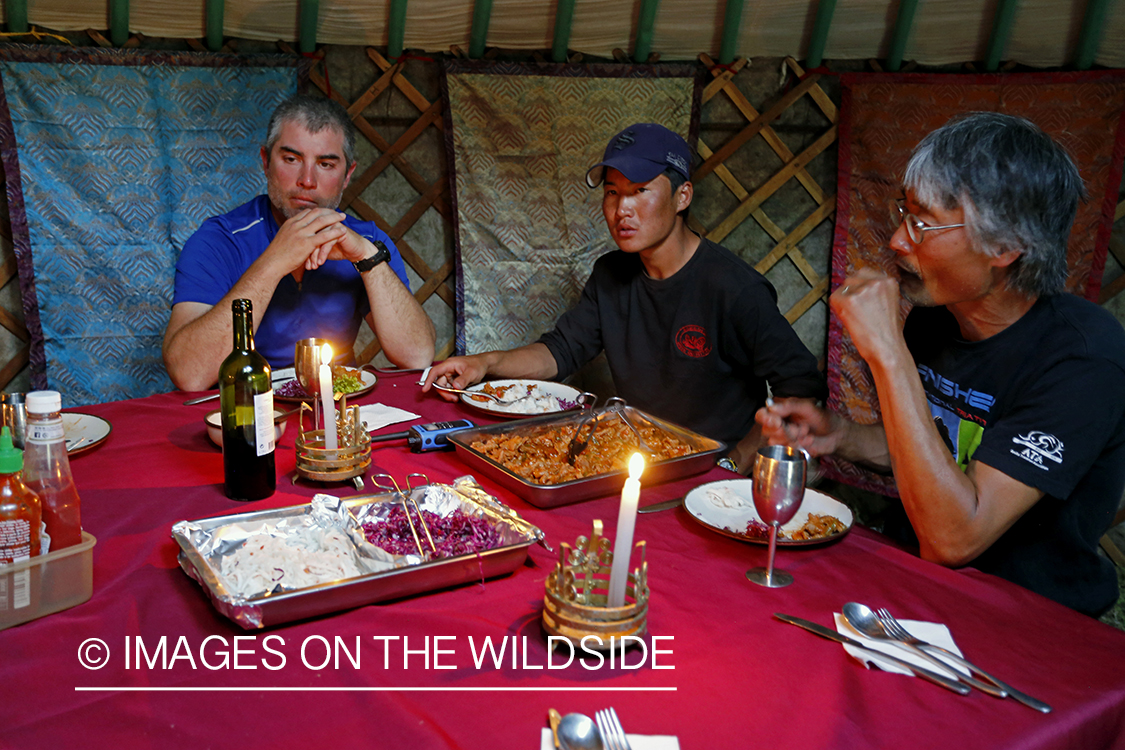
(314, 114)
(1019, 190)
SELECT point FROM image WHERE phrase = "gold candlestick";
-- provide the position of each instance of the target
(574, 606)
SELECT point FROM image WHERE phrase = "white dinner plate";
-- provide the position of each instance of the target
(90, 430)
(366, 377)
(727, 506)
(545, 400)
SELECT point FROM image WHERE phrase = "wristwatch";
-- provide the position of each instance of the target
(726, 463)
(382, 254)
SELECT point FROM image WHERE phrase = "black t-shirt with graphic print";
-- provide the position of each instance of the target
(696, 349)
(1043, 401)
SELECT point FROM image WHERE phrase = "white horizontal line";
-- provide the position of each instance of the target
(111, 689)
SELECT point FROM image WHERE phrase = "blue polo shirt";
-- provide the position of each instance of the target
(329, 303)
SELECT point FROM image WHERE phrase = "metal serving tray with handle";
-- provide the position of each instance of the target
(199, 558)
(599, 485)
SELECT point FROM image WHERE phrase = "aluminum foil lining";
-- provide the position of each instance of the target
(329, 516)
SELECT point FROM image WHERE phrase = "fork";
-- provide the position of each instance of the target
(895, 629)
(613, 734)
(499, 400)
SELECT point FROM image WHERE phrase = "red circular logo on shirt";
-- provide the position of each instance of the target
(692, 341)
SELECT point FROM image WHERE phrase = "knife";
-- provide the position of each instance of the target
(665, 505)
(954, 685)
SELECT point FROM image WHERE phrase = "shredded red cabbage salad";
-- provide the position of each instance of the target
(456, 534)
(755, 529)
(290, 389)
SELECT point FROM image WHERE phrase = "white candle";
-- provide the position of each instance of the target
(327, 400)
(626, 522)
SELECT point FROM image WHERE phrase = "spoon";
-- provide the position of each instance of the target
(578, 732)
(864, 620)
(554, 718)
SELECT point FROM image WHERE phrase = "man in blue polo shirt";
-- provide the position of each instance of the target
(308, 269)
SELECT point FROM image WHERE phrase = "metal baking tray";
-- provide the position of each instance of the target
(599, 485)
(270, 609)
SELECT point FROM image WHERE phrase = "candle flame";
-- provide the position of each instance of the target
(636, 466)
(325, 354)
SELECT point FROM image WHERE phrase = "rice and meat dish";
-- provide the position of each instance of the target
(540, 455)
(304, 558)
(537, 402)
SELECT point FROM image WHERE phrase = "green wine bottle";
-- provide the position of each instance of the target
(246, 405)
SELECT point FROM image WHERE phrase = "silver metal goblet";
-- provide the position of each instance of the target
(778, 489)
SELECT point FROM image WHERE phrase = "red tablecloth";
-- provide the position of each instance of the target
(732, 677)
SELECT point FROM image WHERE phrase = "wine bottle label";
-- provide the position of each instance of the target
(45, 432)
(263, 422)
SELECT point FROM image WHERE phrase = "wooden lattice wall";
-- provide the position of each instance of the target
(765, 186)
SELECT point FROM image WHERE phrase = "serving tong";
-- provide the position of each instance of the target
(614, 405)
(405, 498)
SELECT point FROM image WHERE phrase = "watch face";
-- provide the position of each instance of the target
(726, 463)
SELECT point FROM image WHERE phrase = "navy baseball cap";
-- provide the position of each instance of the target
(641, 152)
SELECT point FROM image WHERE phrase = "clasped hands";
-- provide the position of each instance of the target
(316, 235)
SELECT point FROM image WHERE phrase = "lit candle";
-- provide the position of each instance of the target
(626, 522)
(327, 399)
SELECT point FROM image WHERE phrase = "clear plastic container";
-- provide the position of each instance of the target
(59, 580)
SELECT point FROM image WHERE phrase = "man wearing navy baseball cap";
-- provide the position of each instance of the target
(691, 332)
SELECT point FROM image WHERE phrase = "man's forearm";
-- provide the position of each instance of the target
(939, 498)
(533, 361)
(199, 337)
(404, 330)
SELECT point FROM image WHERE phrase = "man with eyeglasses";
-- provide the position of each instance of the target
(1003, 398)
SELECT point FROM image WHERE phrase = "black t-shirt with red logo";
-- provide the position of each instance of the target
(696, 349)
(1043, 401)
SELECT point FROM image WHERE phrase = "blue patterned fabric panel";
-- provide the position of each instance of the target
(119, 165)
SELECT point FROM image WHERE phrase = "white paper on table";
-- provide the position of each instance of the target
(378, 416)
(636, 741)
(930, 632)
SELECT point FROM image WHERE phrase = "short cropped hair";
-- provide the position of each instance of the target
(1019, 190)
(677, 180)
(314, 114)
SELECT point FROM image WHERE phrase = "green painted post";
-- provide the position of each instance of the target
(824, 11)
(396, 34)
(215, 9)
(118, 22)
(1002, 24)
(1092, 27)
(564, 19)
(645, 23)
(732, 26)
(482, 16)
(16, 11)
(903, 24)
(306, 25)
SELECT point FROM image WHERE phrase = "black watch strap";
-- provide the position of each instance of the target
(382, 254)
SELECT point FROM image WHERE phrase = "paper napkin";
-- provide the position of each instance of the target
(930, 632)
(378, 416)
(636, 741)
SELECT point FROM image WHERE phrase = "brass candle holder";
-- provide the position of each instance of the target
(349, 461)
(574, 606)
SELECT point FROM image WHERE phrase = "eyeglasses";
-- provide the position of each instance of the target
(915, 227)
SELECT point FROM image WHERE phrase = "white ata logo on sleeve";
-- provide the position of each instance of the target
(1037, 446)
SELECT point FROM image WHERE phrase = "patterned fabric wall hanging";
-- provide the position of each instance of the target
(884, 116)
(520, 138)
(113, 158)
